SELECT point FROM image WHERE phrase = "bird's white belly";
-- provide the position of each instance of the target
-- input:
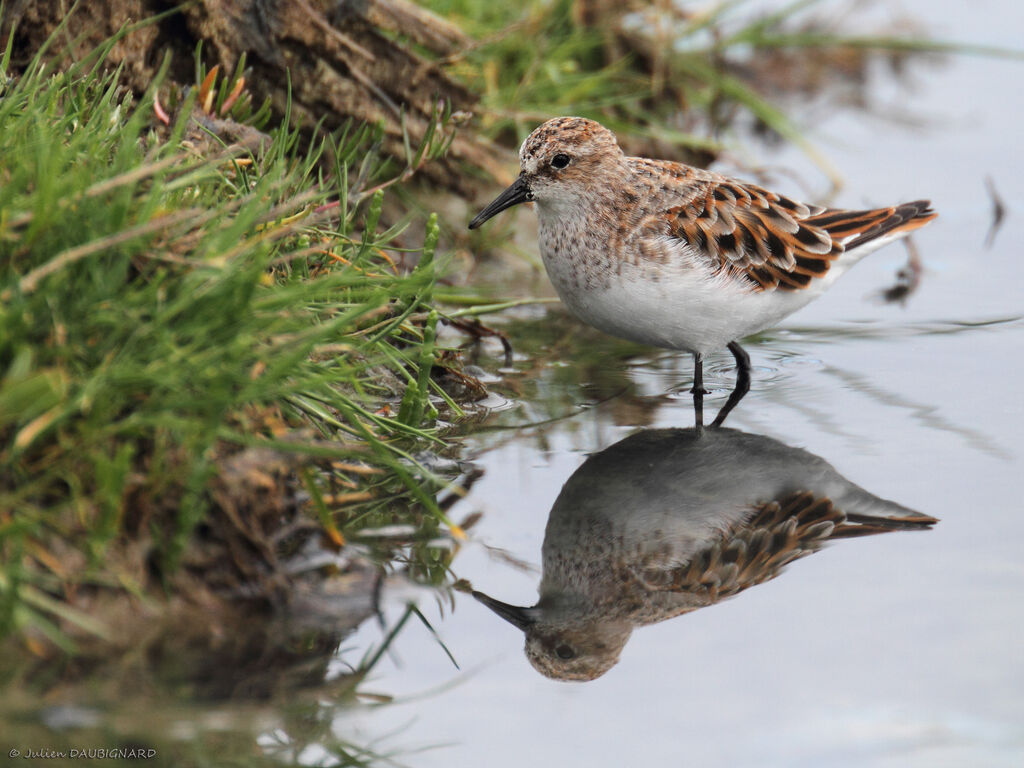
(676, 308)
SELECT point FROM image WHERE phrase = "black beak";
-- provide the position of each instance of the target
(513, 614)
(519, 192)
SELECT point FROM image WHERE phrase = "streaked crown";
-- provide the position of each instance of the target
(568, 133)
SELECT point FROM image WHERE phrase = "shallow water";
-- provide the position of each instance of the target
(886, 650)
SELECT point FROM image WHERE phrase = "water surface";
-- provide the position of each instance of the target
(885, 650)
(895, 650)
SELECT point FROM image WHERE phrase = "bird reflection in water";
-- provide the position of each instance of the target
(668, 521)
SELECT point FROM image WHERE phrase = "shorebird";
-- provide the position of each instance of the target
(679, 257)
(668, 521)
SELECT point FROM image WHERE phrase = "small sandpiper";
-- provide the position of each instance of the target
(679, 257)
(665, 522)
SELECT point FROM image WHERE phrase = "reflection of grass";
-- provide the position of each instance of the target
(310, 713)
(313, 726)
(164, 311)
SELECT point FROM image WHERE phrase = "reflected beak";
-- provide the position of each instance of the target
(513, 614)
(519, 192)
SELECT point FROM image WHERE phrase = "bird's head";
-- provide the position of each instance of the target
(562, 645)
(564, 162)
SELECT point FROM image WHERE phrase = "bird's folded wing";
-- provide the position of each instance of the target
(775, 534)
(768, 240)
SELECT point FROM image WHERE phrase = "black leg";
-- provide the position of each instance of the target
(742, 382)
(698, 391)
(698, 374)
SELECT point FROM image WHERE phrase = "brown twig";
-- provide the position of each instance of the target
(478, 330)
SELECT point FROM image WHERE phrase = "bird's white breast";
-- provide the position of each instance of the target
(676, 303)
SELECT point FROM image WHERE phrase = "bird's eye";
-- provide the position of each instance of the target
(559, 161)
(565, 652)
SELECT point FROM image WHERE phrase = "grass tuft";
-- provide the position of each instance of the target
(170, 299)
